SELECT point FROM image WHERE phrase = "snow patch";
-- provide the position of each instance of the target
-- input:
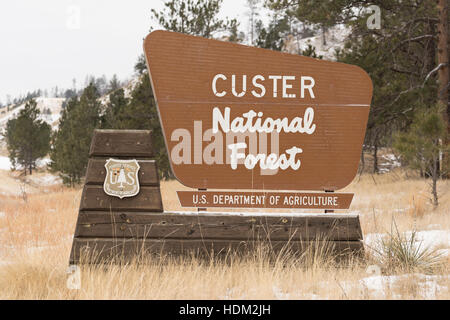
(312, 296)
(373, 241)
(45, 180)
(335, 37)
(5, 164)
(279, 294)
(427, 285)
(42, 162)
(433, 238)
(426, 239)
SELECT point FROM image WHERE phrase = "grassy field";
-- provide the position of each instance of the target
(36, 230)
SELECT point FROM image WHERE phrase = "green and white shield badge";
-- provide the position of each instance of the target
(121, 178)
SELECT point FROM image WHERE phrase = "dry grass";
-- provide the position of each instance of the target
(43, 220)
(35, 241)
(380, 199)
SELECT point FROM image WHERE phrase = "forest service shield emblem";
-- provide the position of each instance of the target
(121, 178)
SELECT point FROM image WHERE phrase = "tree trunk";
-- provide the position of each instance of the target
(443, 56)
(434, 177)
(375, 157)
(30, 162)
(431, 63)
(443, 74)
(435, 195)
(363, 163)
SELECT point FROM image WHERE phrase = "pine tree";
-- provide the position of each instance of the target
(382, 121)
(101, 83)
(273, 36)
(196, 17)
(63, 146)
(310, 51)
(27, 137)
(141, 66)
(420, 146)
(71, 142)
(114, 84)
(252, 14)
(114, 115)
(142, 114)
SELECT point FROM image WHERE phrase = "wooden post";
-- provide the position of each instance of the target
(117, 144)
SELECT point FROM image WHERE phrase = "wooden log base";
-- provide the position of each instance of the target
(104, 250)
(102, 236)
(140, 225)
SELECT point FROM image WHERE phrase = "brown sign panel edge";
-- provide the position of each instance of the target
(357, 88)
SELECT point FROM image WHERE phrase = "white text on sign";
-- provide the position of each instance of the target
(285, 83)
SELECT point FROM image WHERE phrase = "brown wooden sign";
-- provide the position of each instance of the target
(238, 117)
(280, 200)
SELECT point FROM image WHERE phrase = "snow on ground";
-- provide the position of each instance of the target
(52, 119)
(280, 294)
(42, 162)
(394, 160)
(427, 285)
(12, 114)
(45, 104)
(13, 184)
(389, 286)
(433, 238)
(334, 38)
(426, 239)
(52, 104)
(5, 164)
(374, 287)
(390, 161)
(44, 180)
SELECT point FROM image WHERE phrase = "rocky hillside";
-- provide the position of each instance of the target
(50, 111)
(325, 44)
